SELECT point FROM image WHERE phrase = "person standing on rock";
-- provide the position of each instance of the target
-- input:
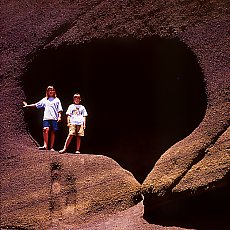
(76, 121)
(52, 115)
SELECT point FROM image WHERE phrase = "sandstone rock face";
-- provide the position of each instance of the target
(79, 189)
(37, 189)
(179, 166)
(42, 190)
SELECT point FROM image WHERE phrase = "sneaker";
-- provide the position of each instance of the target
(77, 152)
(42, 148)
(53, 150)
(62, 151)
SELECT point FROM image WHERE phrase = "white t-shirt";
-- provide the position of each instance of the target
(52, 106)
(77, 114)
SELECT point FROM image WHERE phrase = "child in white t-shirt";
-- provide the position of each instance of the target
(52, 115)
(76, 121)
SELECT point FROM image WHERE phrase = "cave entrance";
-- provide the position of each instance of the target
(142, 96)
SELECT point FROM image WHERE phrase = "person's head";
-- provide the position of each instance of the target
(50, 92)
(76, 98)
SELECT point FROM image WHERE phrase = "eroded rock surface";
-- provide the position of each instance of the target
(177, 164)
(43, 190)
(198, 163)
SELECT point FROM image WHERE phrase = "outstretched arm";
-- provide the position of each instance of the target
(25, 105)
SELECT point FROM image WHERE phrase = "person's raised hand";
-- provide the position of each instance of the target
(24, 104)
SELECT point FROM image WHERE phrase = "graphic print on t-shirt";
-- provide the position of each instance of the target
(76, 113)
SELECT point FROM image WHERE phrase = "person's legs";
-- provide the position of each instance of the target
(46, 127)
(54, 125)
(78, 144)
(52, 139)
(80, 133)
(46, 137)
(67, 142)
(72, 132)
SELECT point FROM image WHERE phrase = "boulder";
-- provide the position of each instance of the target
(42, 190)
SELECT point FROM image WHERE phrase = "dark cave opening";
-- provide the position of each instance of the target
(142, 96)
(202, 210)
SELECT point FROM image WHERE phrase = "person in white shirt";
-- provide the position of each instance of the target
(52, 115)
(76, 121)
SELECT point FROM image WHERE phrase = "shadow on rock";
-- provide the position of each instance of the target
(204, 211)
